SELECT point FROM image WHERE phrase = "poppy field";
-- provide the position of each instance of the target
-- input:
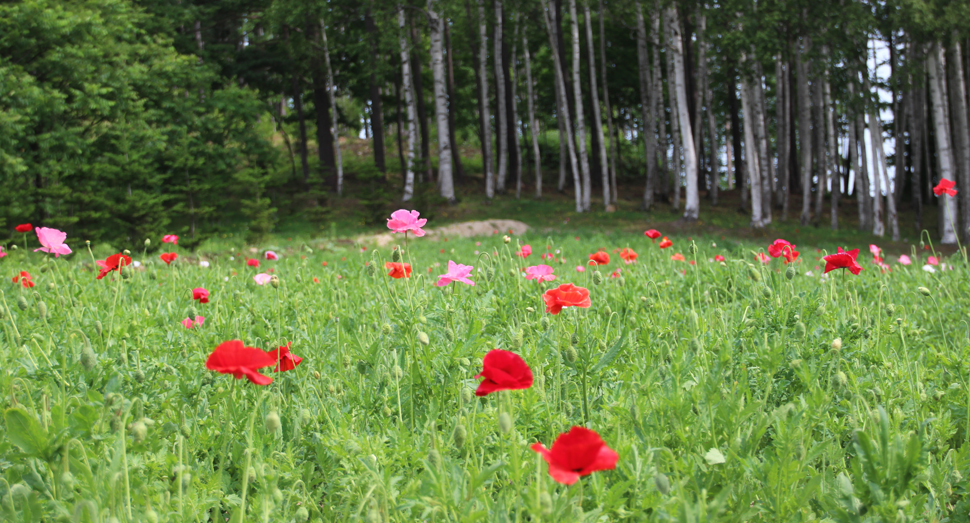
(572, 377)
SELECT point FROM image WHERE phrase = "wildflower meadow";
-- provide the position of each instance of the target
(589, 377)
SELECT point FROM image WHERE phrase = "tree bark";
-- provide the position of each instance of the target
(533, 123)
(459, 173)
(875, 141)
(483, 93)
(580, 118)
(692, 201)
(422, 114)
(698, 89)
(805, 129)
(563, 105)
(833, 151)
(476, 65)
(761, 142)
(917, 98)
(818, 149)
(672, 94)
(500, 110)
(750, 152)
(514, 77)
(855, 160)
(333, 105)
(406, 80)
(734, 126)
(446, 183)
(782, 114)
(941, 130)
(597, 116)
(661, 167)
(646, 109)
(606, 105)
(711, 130)
(961, 131)
(377, 109)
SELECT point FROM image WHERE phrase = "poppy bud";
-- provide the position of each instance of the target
(820, 310)
(790, 272)
(434, 458)
(530, 310)
(506, 238)
(151, 516)
(387, 411)
(67, 480)
(316, 374)
(97, 327)
(421, 318)
(361, 367)
(489, 274)
(21, 303)
(51, 287)
(800, 330)
(396, 254)
(545, 503)
(544, 323)
(607, 310)
(796, 364)
(518, 339)
(504, 422)
(466, 395)
(924, 291)
(837, 344)
(42, 310)
(88, 358)
(662, 482)
(643, 299)
(43, 268)
(460, 435)
(13, 247)
(346, 361)
(571, 355)
(597, 277)
(272, 421)
(139, 431)
(766, 291)
(695, 345)
(464, 362)
(139, 376)
(423, 338)
(692, 248)
(753, 273)
(397, 372)
(274, 280)
(840, 379)
(450, 334)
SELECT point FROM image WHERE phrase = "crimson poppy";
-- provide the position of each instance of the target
(719, 258)
(677, 257)
(168, 257)
(566, 295)
(664, 243)
(252, 262)
(653, 234)
(843, 260)
(628, 255)
(286, 360)
(232, 357)
(945, 187)
(24, 227)
(599, 258)
(781, 248)
(113, 263)
(503, 370)
(398, 270)
(200, 294)
(576, 453)
(24, 279)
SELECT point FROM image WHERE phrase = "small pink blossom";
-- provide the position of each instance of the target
(525, 251)
(904, 260)
(580, 268)
(2, 254)
(540, 273)
(272, 256)
(762, 257)
(456, 272)
(402, 220)
(170, 238)
(188, 323)
(261, 278)
(874, 249)
(932, 260)
(52, 241)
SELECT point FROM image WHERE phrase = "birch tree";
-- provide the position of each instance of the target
(483, 93)
(606, 104)
(501, 115)
(646, 109)
(804, 128)
(597, 119)
(937, 79)
(961, 130)
(751, 153)
(409, 102)
(578, 104)
(445, 180)
(692, 203)
(533, 123)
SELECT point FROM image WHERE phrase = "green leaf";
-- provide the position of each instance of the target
(25, 432)
(610, 355)
(714, 457)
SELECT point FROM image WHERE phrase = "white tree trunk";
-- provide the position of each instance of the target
(875, 141)
(597, 117)
(646, 109)
(751, 153)
(761, 144)
(549, 19)
(833, 151)
(483, 93)
(942, 132)
(783, 97)
(515, 112)
(501, 116)
(804, 129)
(661, 166)
(692, 203)
(674, 116)
(606, 105)
(580, 118)
(533, 123)
(712, 133)
(961, 130)
(856, 161)
(890, 200)
(409, 102)
(333, 107)
(445, 179)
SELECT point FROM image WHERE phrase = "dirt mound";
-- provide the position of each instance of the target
(455, 230)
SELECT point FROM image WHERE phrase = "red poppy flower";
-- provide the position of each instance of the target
(664, 243)
(168, 257)
(599, 258)
(653, 234)
(781, 248)
(843, 260)
(231, 357)
(200, 294)
(719, 258)
(503, 370)
(677, 257)
(628, 255)
(24, 279)
(24, 227)
(945, 187)
(576, 453)
(113, 263)
(252, 262)
(286, 360)
(566, 295)
(762, 257)
(398, 270)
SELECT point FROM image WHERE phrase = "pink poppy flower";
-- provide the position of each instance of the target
(932, 260)
(541, 273)
(875, 250)
(272, 256)
(762, 257)
(262, 278)
(52, 241)
(402, 220)
(525, 251)
(904, 260)
(456, 272)
(580, 268)
(170, 238)
(719, 258)
(188, 323)
(200, 294)
(2, 254)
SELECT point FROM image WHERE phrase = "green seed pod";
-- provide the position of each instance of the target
(800, 330)
(98, 328)
(139, 376)
(192, 312)
(464, 362)
(42, 310)
(51, 287)
(662, 482)
(185, 430)
(545, 503)
(607, 310)
(518, 339)
(597, 277)
(434, 458)
(387, 411)
(820, 310)
(301, 515)
(272, 421)
(423, 338)
(21, 303)
(489, 274)
(396, 255)
(790, 272)
(924, 291)
(386, 329)
(571, 354)
(621, 281)
(530, 310)
(274, 280)
(371, 269)
(139, 431)
(544, 323)
(450, 334)
(504, 422)
(466, 395)
(361, 367)
(397, 372)
(796, 363)
(753, 273)
(840, 379)
(574, 339)
(890, 309)
(459, 436)
(346, 361)
(88, 358)
(43, 268)
(186, 481)
(766, 291)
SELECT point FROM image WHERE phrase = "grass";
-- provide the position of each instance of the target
(721, 386)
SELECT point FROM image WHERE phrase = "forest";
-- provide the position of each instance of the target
(125, 119)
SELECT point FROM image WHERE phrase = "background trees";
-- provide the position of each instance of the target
(124, 117)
